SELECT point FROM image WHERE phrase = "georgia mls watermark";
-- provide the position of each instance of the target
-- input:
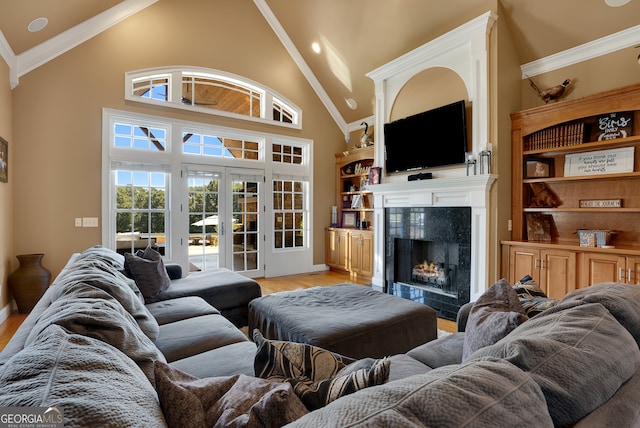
(31, 417)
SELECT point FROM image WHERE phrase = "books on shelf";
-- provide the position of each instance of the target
(566, 134)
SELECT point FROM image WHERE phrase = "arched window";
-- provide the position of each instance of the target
(212, 91)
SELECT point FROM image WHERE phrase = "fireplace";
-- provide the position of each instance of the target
(432, 239)
(428, 256)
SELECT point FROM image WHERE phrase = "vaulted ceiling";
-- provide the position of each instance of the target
(354, 37)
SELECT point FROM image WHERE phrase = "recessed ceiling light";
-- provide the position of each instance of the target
(316, 47)
(351, 103)
(616, 3)
(37, 24)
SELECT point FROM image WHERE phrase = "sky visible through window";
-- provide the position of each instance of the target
(140, 178)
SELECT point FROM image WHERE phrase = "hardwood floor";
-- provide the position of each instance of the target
(269, 286)
(9, 327)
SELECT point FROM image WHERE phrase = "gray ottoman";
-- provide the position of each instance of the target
(352, 320)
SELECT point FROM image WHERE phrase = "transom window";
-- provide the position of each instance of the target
(221, 147)
(212, 91)
(153, 87)
(285, 153)
(128, 136)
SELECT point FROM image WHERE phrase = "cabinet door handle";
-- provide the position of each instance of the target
(536, 264)
(628, 275)
(620, 274)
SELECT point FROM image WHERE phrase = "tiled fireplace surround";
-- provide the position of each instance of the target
(447, 218)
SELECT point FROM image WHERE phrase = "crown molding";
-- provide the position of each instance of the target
(69, 39)
(603, 46)
(10, 58)
(301, 63)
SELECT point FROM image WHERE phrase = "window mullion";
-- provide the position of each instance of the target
(175, 87)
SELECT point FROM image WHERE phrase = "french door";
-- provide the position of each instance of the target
(225, 215)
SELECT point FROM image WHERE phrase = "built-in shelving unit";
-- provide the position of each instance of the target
(349, 242)
(547, 135)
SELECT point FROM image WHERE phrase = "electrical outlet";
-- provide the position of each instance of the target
(510, 225)
(78, 222)
(89, 221)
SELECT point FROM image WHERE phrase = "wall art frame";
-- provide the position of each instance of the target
(538, 168)
(4, 161)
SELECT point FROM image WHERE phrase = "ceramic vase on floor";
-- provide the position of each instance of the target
(29, 282)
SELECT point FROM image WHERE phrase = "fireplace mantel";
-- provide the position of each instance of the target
(469, 191)
(443, 192)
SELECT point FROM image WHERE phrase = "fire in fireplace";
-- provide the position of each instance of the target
(432, 273)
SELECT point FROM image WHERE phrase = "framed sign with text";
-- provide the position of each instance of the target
(614, 125)
(614, 161)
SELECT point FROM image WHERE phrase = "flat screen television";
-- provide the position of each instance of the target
(429, 139)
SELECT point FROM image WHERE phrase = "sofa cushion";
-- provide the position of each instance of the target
(236, 401)
(478, 394)
(622, 300)
(577, 352)
(496, 313)
(440, 352)
(221, 288)
(317, 375)
(104, 320)
(180, 308)
(148, 272)
(402, 365)
(184, 338)
(621, 410)
(93, 383)
(228, 360)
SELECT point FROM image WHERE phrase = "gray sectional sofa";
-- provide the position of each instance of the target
(92, 348)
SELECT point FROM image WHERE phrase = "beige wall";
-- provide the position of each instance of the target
(7, 261)
(58, 107)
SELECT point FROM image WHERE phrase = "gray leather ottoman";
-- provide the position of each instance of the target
(352, 320)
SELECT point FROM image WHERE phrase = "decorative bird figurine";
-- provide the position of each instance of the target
(553, 93)
(365, 138)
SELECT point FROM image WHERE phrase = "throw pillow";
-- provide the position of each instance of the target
(237, 400)
(533, 299)
(148, 272)
(493, 316)
(318, 376)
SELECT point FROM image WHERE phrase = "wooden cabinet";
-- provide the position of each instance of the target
(554, 270)
(337, 248)
(351, 251)
(567, 176)
(599, 267)
(361, 250)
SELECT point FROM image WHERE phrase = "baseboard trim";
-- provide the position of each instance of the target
(5, 312)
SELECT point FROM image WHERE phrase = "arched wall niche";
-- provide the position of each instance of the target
(430, 83)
